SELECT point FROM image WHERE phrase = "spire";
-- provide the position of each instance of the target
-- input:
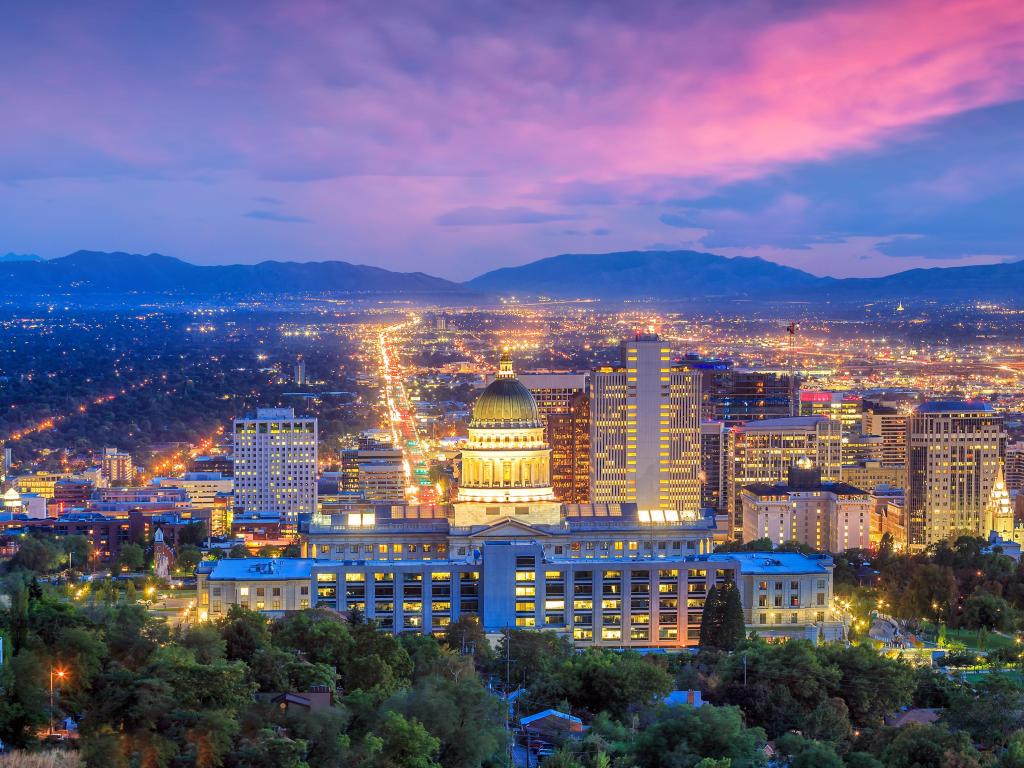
(505, 366)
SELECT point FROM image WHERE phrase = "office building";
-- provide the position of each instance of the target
(225, 465)
(832, 517)
(116, 467)
(872, 474)
(1013, 466)
(381, 480)
(891, 425)
(202, 488)
(275, 455)
(843, 407)
(954, 455)
(736, 395)
(645, 430)
(763, 451)
(641, 604)
(714, 463)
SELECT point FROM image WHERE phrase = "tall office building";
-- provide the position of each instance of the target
(889, 424)
(736, 395)
(764, 451)
(116, 467)
(954, 451)
(714, 462)
(1014, 466)
(645, 430)
(276, 463)
(564, 406)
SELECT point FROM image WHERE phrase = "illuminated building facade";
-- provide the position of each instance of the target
(843, 407)
(736, 395)
(764, 451)
(891, 425)
(116, 467)
(275, 463)
(954, 455)
(645, 430)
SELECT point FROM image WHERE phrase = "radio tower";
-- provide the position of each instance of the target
(794, 389)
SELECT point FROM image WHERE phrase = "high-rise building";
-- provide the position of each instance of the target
(763, 452)
(116, 467)
(714, 462)
(276, 463)
(889, 424)
(1013, 468)
(736, 395)
(645, 430)
(954, 453)
(843, 407)
(564, 406)
(202, 488)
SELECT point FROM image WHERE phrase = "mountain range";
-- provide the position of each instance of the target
(659, 275)
(691, 275)
(99, 272)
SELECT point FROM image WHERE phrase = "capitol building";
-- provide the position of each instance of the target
(508, 551)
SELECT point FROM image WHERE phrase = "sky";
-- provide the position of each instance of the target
(844, 138)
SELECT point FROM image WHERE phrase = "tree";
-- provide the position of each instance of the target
(36, 554)
(929, 746)
(238, 552)
(193, 534)
(131, 558)
(683, 736)
(530, 654)
(244, 632)
(984, 610)
(466, 635)
(990, 711)
(871, 685)
(722, 626)
(78, 549)
(404, 743)
(467, 720)
(187, 558)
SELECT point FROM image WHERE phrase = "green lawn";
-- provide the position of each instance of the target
(969, 639)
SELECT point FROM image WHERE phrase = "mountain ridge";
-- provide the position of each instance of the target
(693, 275)
(120, 272)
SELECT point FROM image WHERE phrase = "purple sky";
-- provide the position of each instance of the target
(848, 138)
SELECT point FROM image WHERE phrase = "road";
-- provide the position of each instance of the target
(401, 415)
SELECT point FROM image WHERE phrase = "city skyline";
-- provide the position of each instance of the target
(840, 138)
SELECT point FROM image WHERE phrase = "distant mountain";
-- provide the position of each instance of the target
(20, 257)
(99, 272)
(690, 275)
(654, 274)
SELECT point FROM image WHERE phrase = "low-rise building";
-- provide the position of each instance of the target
(633, 603)
(272, 585)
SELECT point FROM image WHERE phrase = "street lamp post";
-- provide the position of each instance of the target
(60, 673)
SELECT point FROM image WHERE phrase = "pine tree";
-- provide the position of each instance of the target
(733, 627)
(712, 618)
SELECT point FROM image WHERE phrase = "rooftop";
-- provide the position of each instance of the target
(769, 563)
(953, 406)
(261, 569)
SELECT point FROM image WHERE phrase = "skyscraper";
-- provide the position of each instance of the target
(736, 395)
(564, 406)
(891, 425)
(764, 451)
(645, 430)
(276, 463)
(954, 450)
(116, 467)
(714, 461)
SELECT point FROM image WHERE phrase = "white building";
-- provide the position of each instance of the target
(276, 463)
(831, 517)
(202, 488)
(645, 439)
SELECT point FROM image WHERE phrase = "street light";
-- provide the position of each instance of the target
(61, 674)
